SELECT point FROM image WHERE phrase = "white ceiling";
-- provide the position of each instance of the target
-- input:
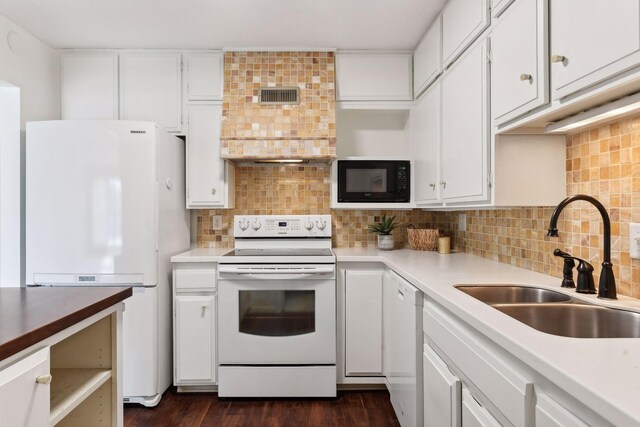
(199, 24)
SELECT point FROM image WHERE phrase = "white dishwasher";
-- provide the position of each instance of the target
(404, 372)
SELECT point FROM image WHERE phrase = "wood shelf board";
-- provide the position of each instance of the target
(70, 387)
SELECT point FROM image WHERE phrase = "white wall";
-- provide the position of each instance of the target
(34, 67)
(372, 133)
(10, 206)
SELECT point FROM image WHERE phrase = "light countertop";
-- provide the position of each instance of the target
(603, 374)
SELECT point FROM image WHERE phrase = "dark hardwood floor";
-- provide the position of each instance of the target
(350, 408)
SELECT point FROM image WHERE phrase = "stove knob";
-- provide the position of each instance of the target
(243, 224)
(308, 224)
(321, 224)
(256, 225)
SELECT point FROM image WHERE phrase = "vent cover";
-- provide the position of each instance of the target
(279, 95)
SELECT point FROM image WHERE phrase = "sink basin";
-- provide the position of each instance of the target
(513, 294)
(576, 320)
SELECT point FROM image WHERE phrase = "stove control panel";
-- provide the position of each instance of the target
(282, 226)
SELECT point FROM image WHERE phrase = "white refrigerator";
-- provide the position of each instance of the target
(105, 206)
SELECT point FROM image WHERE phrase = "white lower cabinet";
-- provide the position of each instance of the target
(551, 414)
(363, 323)
(195, 338)
(194, 326)
(442, 392)
(405, 342)
(25, 391)
(474, 414)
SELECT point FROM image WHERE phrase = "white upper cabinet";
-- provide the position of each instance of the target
(465, 128)
(592, 40)
(150, 88)
(204, 76)
(425, 140)
(519, 64)
(374, 76)
(462, 22)
(89, 86)
(206, 171)
(427, 58)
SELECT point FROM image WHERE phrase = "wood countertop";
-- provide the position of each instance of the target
(30, 315)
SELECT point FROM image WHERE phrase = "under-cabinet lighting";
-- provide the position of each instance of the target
(616, 109)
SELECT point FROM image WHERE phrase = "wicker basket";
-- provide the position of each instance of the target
(423, 239)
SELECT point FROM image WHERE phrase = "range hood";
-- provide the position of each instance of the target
(279, 106)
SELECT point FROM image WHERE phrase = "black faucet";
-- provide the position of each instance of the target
(607, 285)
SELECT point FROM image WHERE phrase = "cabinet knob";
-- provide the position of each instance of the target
(432, 185)
(213, 191)
(557, 58)
(443, 184)
(44, 379)
(204, 309)
(526, 77)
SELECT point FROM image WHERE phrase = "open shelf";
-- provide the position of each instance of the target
(71, 386)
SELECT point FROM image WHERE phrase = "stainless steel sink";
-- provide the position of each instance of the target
(513, 294)
(576, 320)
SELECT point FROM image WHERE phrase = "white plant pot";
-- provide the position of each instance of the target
(385, 242)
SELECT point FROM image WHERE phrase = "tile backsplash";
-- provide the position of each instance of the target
(271, 190)
(603, 162)
(254, 130)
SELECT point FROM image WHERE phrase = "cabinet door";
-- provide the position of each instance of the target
(195, 319)
(150, 88)
(204, 76)
(425, 145)
(427, 58)
(90, 86)
(23, 401)
(442, 392)
(519, 61)
(465, 134)
(363, 322)
(551, 414)
(462, 23)
(474, 414)
(205, 168)
(499, 6)
(597, 39)
(374, 77)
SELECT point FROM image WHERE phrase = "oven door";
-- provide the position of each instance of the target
(373, 181)
(276, 315)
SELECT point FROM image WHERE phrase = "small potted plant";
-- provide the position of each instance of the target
(384, 229)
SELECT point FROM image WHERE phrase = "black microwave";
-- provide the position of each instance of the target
(374, 181)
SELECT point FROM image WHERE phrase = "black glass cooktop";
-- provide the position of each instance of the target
(278, 252)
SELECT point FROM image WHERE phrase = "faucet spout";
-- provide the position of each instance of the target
(607, 284)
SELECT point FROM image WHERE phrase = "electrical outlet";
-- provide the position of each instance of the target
(634, 240)
(462, 222)
(216, 222)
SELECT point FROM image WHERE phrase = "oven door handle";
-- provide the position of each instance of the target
(276, 273)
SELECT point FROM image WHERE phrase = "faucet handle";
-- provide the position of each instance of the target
(567, 270)
(585, 278)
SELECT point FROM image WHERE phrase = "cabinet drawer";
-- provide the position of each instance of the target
(507, 389)
(195, 278)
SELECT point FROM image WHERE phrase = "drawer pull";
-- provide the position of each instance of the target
(432, 185)
(557, 58)
(44, 379)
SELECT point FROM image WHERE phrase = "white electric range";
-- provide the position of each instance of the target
(277, 309)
